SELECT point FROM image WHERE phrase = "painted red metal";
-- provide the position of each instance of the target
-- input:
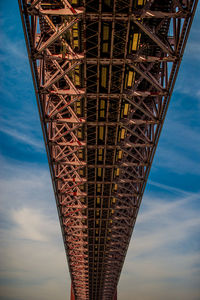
(72, 293)
(115, 296)
(103, 73)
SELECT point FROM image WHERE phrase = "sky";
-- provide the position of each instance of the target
(163, 260)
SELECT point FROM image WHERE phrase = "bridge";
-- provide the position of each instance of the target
(103, 73)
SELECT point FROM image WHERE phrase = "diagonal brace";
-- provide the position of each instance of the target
(56, 35)
(155, 38)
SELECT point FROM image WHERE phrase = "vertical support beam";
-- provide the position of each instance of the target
(115, 296)
(72, 294)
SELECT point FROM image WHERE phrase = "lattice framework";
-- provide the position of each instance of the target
(103, 72)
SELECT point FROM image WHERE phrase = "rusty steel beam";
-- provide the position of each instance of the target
(103, 73)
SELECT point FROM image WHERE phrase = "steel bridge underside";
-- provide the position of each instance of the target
(103, 73)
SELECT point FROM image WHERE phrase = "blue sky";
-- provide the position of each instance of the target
(163, 260)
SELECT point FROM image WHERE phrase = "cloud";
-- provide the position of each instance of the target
(31, 224)
(188, 78)
(179, 146)
(13, 53)
(169, 188)
(162, 259)
(184, 135)
(33, 267)
(28, 140)
(160, 208)
(192, 50)
(164, 252)
(19, 115)
(176, 161)
(33, 262)
(25, 184)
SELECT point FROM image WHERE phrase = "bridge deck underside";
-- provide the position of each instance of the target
(103, 73)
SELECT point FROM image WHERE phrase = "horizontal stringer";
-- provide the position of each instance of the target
(57, 53)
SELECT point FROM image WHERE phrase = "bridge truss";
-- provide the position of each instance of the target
(103, 73)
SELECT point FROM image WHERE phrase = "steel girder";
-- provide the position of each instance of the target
(103, 73)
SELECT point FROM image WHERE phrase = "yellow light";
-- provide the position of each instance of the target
(77, 79)
(136, 40)
(80, 153)
(100, 154)
(113, 200)
(77, 76)
(81, 172)
(79, 133)
(105, 32)
(130, 78)
(120, 154)
(105, 47)
(102, 108)
(126, 107)
(98, 200)
(104, 77)
(117, 172)
(75, 33)
(101, 132)
(78, 107)
(99, 172)
(100, 150)
(76, 43)
(123, 133)
(102, 105)
(75, 26)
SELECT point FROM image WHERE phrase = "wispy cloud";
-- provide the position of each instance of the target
(163, 207)
(13, 54)
(33, 262)
(19, 116)
(170, 188)
(24, 138)
(176, 161)
(163, 256)
(33, 225)
(179, 146)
